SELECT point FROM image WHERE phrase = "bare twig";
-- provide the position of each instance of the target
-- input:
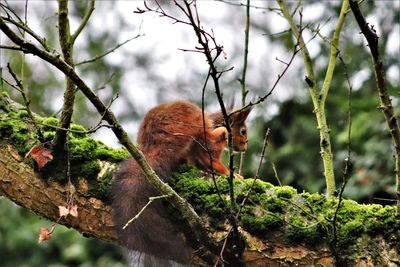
(107, 52)
(212, 50)
(86, 17)
(233, 3)
(242, 81)
(206, 142)
(28, 30)
(347, 163)
(276, 174)
(257, 173)
(151, 200)
(20, 88)
(12, 47)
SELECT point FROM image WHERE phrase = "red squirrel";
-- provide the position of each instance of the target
(170, 134)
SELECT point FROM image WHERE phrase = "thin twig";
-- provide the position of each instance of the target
(67, 48)
(86, 17)
(242, 81)
(12, 47)
(257, 173)
(276, 174)
(20, 88)
(107, 52)
(347, 162)
(151, 200)
(28, 30)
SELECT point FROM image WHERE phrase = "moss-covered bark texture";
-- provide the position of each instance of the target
(281, 226)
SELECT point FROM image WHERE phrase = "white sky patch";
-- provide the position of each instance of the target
(358, 79)
(393, 74)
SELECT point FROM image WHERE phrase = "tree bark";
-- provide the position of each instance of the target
(21, 184)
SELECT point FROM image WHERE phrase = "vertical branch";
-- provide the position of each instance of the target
(385, 102)
(69, 94)
(347, 164)
(23, 54)
(86, 17)
(67, 47)
(333, 53)
(243, 80)
(319, 98)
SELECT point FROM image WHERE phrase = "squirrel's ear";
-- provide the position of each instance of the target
(231, 104)
(241, 116)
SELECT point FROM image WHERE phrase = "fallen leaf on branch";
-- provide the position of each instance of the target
(63, 211)
(70, 210)
(73, 211)
(40, 155)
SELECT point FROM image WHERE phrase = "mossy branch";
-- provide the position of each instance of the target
(384, 97)
(269, 217)
(187, 212)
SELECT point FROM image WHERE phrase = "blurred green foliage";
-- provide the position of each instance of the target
(19, 232)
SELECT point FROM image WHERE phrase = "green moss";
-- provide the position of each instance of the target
(78, 131)
(4, 103)
(18, 133)
(213, 206)
(49, 124)
(89, 169)
(273, 204)
(300, 230)
(48, 136)
(285, 191)
(103, 186)
(82, 149)
(259, 185)
(22, 114)
(111, 154)
(261, 225)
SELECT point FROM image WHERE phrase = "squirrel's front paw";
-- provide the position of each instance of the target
(238, 176)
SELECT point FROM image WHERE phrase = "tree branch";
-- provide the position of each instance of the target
(107, 52)
(319, 106)
(88, 13)
(67, 48)
(384, 97)
(19, 183)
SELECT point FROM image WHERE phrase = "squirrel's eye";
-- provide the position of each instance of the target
(243, 131)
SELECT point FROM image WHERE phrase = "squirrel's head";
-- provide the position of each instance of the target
(239, 129)
(237, 122)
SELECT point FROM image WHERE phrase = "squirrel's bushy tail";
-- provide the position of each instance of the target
(152, 233)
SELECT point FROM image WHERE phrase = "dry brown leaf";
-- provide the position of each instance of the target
(40, 155)
(73, 210)
(44, 234)
(63, 211)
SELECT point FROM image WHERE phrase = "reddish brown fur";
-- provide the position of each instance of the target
(170, 133)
